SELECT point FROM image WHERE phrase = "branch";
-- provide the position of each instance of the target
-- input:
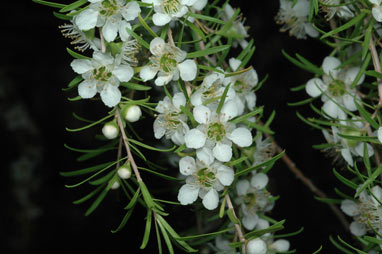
(237, 226)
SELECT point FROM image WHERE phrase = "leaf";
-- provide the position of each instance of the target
(222, 99)
(124, 221)
(300, 103)
(146, 195)
(146, 235)
(76, 55)
(371, 179)
(208, 51)
(374, 74)
(160, 174)
(257, 233)
(138, 38)
(75, 81)
(246, 116)
(339, 246)
(344, 180)
(73, 6)
(62, 16)
(329, 200)
(207, 18)
(365, 43)
(151, 147)
(133, 200)
(318, 251)
(90, 125)
(232, 217)
(103, 179)
(166, 238)
(361, 71)
(88, 196)
(50, 4)
(289, 234)
(99, 198)
(186, 238)
(345, 26)
(306, 65)
(144, 24)
(366, 115)
(86, 170)
(135, 86)
(351, 247)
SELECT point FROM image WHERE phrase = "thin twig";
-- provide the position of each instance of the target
(239, 231)
(170, 38)
(119, 151)
(129, 155)
(377, 67)
(103, 47)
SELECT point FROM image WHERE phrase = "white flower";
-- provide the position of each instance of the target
(204, 180)
(211, 90)
(124, 172)
(342, 11)
(335, 88)
(129, 49)
(171, 122)
(132, 113)
(216, 133)
(110, 130)
(256, 246)
(238, 31)
(168, 10)
(295, 19)
(377, 9)
(111, 15)
(243, 85)
(102, 74)
(79, 38)
(170, 62)
(264, 150)
(252, 198)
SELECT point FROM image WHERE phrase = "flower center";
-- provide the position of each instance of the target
(101, 74)
(206, 177)
(370, 213)
(216, 131)
(108, 8)
(250, 199)
(172, 121)
(171, 6)
(167, 62)
(337, 88)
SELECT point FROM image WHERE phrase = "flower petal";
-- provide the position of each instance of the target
(259, 181)
(188, 194)
(187, 165)
(351, 74)
(280, 245)
(87, 19)
(241, 136)
(228, 111)
(242, 187)
(349, 102)
(195, 139)
(377, 13)
(222, 152)
(87, 89)
(357, 229)
(349, 207)
(202, 114)
(234, 63)
(179, 100)
(329, 66)
(156, 43)
(211, 200)
(123, 72)
(345, 152)
(257, 246)
(205, 155)
(250, 220)
(81, 66)
(225, 175)
(110, 95)
(161, 19)
(131, 11)
(110, 30)
(147, 73)
(314, 87)
(163, 79)
(380, 134)
(187, 70)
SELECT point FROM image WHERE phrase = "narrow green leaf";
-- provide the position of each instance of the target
(365, 43)
(146, 235)
(86, 170)
(138, 38)
(366, 115)
(374, 74)
(232, 217)
(246, 116)
(329, 200)
(222, 208)
(135, 86)
(345, 26)
(273, 228)
(166, 238)
(124, 221)
(90, 125)
(207, 18)
(365, 64)
(186, 238)
(146, 195)
(344, 180)
(88, 196)
(136, 142)
(147, 27)
(351, 247)
(318, 251)
(50, 4)
(222, 99)
(300, 103)
(160, 174)
(99, 199)
(301, 65)
(371, 179)
(103, 179)
(76, 55)
(62, 16)
(338, 246)
(289, 234)
(133, 200)
(208, 51)
(158, 237)
(73, 6)
(75, 81)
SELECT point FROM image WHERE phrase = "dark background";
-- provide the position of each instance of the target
(37, 213)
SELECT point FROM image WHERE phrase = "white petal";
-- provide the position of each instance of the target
(163, 79)
(202, 114)
(155, 43)
(228, 111)
(123, 72)
(262, 224)
(195, 139)
(160, 19)
(132, 10)
(222, 152)
(242, 187)
(377, 13)
(87, 19)
(301, 8)
(110, 31)
(376, 2)
(347, 156)
(159, 131)
(122, 26)
(103, 58)
(259, 181)
(280, 245)
(81, 66)
(380, 134)
(241, 136)
(351, 74)
(331, 109)
(251, 100)
(329, 66)
(309, 29)
(110, 95)
(225, 175)
(188, 194)
(211, 200)
(357, 229)
(187, 70)
(199, 4)
(196, 98)
(234, 63)
(256, 246)
(349, 102)
(205, 155)
(179, 100)
(314, 87)
(377, 192)
(178, 138)
(250, 220)
(147, 73)
(187, 165)
(181, 12)
(349, 207)
(87, 89)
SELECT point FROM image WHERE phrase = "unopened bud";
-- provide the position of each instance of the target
(256, 246)
(115, 185)
(110, 130)
(131, 113)
(124, 171)
(280, 245)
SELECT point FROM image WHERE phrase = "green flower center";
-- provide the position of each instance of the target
(206, 177)
(337, 88)
(101, 74)
(171, 6)
(172, 120)
(216, 131)
(109, 7)
(250, 199)
(167, 62)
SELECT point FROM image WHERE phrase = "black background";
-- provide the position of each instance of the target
(37, 213)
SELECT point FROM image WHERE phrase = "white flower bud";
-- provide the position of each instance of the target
(132, 113)
(124, 172)
(256, 246)
(115, 185)
(380, 134)
(280, 245)
(110, 130)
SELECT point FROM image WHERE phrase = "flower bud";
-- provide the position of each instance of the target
(110, 130)
(256, 246)
(131, 113)
(124, 171)
(281, 245)
(115, 185)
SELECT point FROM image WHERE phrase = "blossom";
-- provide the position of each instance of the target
(170, 62)
(335, 88)
(110, 130)
(252, 198)
(204, 180)
(243, 85)
(215, 133)
(295, 19)
(366, 211)
(82, 40)
(335, 8)
(263, 151)
(168, 10)
(131, 113)
(111, 15)
(102, 74)
(222, 246)
(238, 31)
(377, 9)
(171, 122)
